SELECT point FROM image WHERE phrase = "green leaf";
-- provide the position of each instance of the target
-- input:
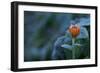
(77, 50)
(66, 46)
(83, 33)
(77, 44)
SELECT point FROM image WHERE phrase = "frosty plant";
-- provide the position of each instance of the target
(74, 31)
(74, 44)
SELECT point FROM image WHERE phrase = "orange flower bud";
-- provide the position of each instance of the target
(74, 30)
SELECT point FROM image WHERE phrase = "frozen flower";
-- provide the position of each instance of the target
(74, 30)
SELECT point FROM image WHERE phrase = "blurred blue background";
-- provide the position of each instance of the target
(41, 30)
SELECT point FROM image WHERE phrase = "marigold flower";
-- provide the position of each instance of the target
(74, 30)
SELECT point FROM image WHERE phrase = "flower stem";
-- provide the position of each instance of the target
(73, 50)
